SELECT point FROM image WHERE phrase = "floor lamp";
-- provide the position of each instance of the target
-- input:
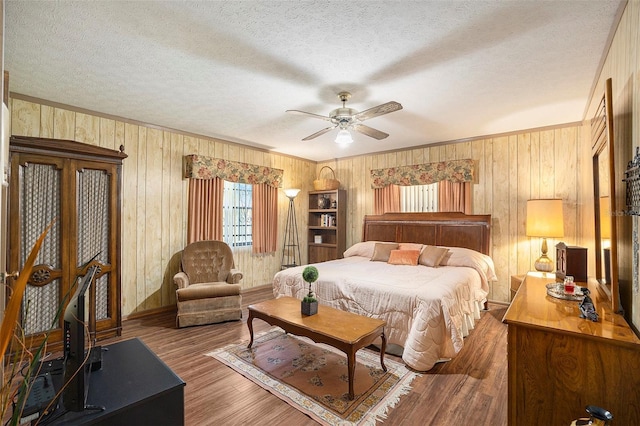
(291, 243)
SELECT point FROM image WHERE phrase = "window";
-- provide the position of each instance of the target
(236, 214)
(419, 198)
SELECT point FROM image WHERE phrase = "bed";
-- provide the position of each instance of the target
(428, 309)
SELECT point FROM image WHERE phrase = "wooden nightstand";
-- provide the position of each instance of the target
(516, 280)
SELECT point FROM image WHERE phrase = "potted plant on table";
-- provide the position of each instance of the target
(310, 303)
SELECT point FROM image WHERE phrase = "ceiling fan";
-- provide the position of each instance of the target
(347, 118)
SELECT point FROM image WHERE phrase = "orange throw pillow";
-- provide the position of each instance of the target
(409, 246)
(404, 257)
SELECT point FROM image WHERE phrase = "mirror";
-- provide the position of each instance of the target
(604, 198)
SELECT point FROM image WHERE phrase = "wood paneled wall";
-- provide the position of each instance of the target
(154, 217)
(622, 65)
(510, 170)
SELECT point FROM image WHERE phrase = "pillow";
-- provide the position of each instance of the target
(473, 259)
(363, 249)
(382, 251)
(432, 256)
(445, 259)
(409, 246)
(404, 257)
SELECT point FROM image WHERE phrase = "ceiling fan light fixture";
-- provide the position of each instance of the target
(347, 119)
(344, 137)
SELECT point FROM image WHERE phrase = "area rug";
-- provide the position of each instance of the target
(313, 377)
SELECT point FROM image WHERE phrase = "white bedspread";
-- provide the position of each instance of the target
(428, 310)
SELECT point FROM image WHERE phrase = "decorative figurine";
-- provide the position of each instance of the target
(587, 310)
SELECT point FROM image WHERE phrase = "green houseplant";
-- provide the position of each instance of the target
(309, 302)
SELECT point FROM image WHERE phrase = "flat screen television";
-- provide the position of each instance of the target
(76, 360)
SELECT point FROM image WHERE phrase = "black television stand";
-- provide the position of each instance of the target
(134, 386)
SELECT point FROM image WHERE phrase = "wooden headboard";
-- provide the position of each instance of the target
(441, 229)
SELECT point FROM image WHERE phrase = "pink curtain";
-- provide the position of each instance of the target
(454, 196)
(205, 209)
(265, 218)
(386, 199)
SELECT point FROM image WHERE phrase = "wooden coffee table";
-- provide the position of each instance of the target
(342, 330)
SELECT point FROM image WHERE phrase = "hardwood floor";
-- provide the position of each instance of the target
(470, 389)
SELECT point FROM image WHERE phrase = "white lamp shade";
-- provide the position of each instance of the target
(545, 218)
(291, 192)
(344, 137)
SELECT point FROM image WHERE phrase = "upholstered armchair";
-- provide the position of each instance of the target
(208, 290)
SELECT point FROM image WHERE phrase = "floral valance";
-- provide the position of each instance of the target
(424, 174)
(200, 167)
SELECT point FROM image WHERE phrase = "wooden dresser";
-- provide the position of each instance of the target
(559, 363)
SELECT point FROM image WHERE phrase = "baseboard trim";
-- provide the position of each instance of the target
(256, 288)
(150, 312)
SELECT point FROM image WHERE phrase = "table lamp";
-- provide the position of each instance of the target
(544, 220)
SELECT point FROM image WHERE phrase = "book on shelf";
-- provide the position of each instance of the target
(327, 220)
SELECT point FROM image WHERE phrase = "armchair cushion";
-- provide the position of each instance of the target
(207, 290)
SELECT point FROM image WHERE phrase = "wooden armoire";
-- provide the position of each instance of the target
(78, 186)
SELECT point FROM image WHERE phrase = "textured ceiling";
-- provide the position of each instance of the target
(230, 69)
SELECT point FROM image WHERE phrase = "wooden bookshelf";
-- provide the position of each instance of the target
(327, 225)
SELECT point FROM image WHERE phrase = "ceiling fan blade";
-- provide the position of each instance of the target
(369, 131)
(321, 132)
(309, 114)
(378, 110)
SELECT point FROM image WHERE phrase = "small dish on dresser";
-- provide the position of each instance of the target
(557, 290)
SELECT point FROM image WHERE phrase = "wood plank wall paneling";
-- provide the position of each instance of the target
(63, 124)
(154, 198)
(129, 215)
(510, 170)
(622, 65)
(139, 226)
